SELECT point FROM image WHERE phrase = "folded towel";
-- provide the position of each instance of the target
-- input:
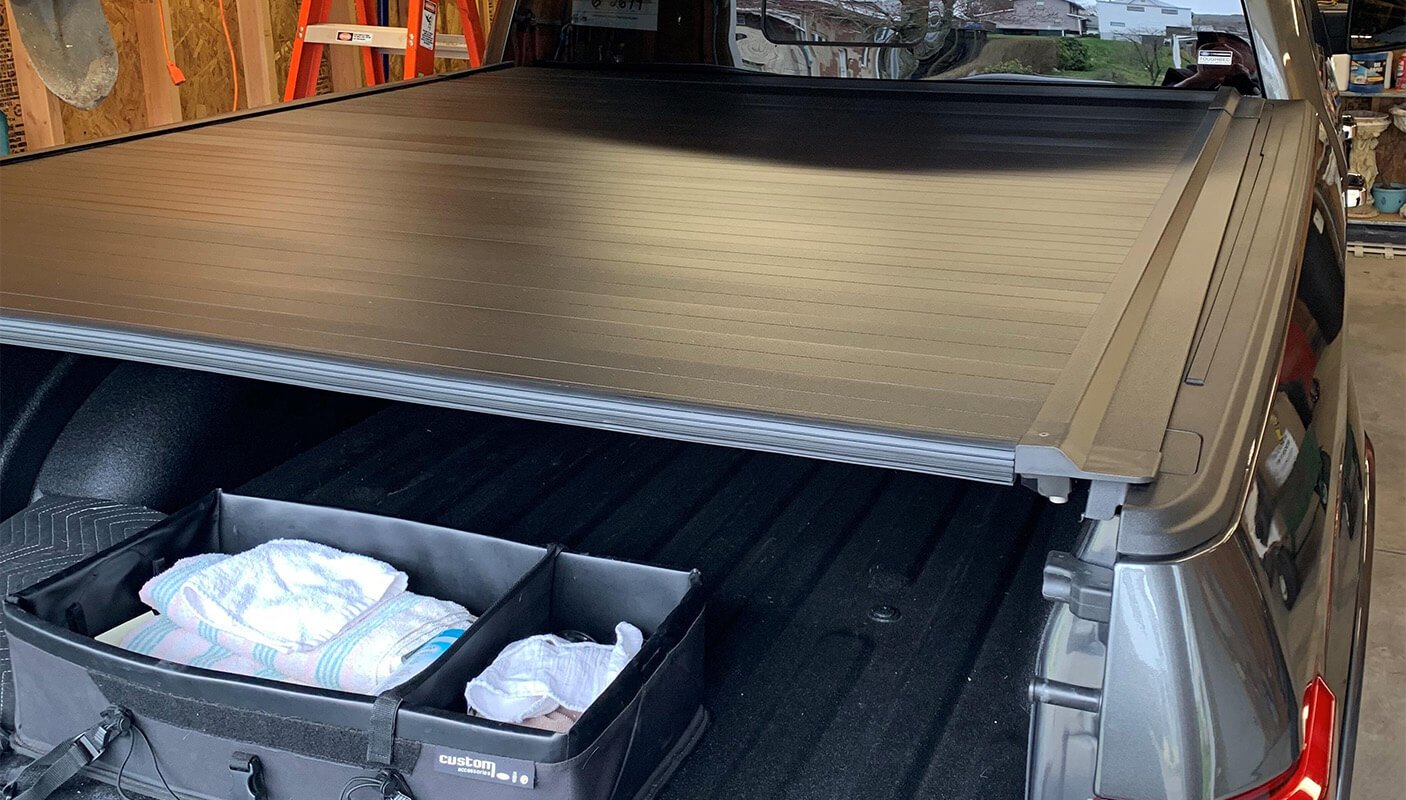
(289, 595)
(536, 676)
(357, 660)
(161, 638)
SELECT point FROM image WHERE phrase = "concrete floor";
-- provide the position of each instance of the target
(1377, 316)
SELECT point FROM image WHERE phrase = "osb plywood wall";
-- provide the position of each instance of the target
(198, 47)
(283, 18)
(202, 54)
(9, 89)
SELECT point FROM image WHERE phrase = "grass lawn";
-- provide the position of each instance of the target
(1112, 60)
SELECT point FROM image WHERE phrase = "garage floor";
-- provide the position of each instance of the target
(1377, 289)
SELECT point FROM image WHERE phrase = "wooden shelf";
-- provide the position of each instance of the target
(1380, 219)
(1387, 93)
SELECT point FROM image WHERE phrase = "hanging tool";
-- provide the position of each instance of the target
(70, 44)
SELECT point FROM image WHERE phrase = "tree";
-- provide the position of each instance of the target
(1151, 52)
(1073, 56)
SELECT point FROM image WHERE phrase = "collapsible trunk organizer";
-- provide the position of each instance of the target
(309, 743)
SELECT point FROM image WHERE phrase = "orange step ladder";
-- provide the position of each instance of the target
(417, 41)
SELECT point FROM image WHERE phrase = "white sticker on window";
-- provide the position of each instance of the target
(1215, 58)
(635, 15)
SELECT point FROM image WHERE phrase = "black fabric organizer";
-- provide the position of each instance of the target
(310, 742)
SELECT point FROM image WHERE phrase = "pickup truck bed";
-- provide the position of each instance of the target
(809, 694)
(914, 276)
(868, 293)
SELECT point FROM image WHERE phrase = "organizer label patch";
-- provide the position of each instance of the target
(494, 769)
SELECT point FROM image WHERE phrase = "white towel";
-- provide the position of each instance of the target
(289, 595)
(359, 659)
(535, 676)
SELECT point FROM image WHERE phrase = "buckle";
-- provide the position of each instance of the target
(116, 722)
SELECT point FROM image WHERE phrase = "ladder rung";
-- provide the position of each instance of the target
(390, 40)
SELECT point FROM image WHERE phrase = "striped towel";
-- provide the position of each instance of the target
(288, 594)
(161, 638)
(357, 660)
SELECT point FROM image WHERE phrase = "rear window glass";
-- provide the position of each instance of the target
(1191, 43)
(1194, 44)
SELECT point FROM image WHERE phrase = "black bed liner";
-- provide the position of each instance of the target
(939, 278)
(809, 694)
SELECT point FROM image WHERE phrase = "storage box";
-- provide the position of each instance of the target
(310, 742)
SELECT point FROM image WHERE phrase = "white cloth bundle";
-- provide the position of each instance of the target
(288, 595)
(536, 676)
(295, 611)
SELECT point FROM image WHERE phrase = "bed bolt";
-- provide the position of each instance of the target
(884, 613)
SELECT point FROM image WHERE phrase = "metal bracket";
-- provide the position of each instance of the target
(1105, 497)
(1086, 588)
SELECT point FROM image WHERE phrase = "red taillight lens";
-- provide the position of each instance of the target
(1308, 778)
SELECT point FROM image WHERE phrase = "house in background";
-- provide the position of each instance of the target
(1119, 19)
(1224, 23)
(1037, 18)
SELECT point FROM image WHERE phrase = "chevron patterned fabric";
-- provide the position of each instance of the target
(50, 535)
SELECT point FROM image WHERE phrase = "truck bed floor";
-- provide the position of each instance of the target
(811, 696)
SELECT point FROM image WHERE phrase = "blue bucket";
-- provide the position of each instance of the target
(1389, 198)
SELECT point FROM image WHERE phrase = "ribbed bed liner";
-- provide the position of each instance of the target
(810, 696)
(893, 275)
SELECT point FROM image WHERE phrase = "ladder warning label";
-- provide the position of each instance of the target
(637, 15)
(354, 37)
(428, 12)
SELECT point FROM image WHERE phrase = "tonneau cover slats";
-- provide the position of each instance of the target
(892, 276)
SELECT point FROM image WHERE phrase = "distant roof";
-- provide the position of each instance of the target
(1156, 3)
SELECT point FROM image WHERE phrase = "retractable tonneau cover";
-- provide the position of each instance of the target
(925, 276)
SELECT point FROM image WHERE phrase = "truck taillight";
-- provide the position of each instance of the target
(1307, 779)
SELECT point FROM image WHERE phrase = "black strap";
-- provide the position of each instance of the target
(380, 751)
(380, 748)
(52, 770)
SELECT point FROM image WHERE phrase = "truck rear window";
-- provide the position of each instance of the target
(1196, 44)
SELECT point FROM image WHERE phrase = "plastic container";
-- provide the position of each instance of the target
(1368, 74)
(1389, 198)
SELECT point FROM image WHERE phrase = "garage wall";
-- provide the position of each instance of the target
(199, 48)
